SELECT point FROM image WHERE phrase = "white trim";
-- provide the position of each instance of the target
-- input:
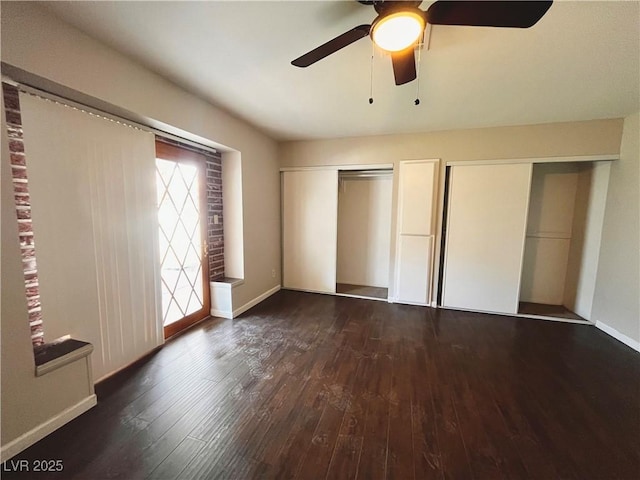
(228, 282)
(255, 301)
(630, 342)
(221, 313)
(578, 158)
(421, 160)
(364, 166)
(39, 432)
(60, 362)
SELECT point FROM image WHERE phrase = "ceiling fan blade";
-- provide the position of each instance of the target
(404, 66)
(517, 14)
(332, 46)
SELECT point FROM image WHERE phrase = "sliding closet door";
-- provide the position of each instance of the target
(309, 236)
(485, 236)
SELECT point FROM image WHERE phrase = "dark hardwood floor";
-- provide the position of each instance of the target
(316, 386)
(362, 290)
(540, 309)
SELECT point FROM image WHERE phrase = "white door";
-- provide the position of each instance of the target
(487, 219)
(414, 268)
(414, 242)
(309, 233)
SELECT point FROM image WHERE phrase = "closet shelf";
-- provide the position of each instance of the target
(551, 235)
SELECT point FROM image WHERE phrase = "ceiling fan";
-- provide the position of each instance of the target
(400, 24)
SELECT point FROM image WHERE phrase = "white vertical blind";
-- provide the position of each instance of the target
(92, 187)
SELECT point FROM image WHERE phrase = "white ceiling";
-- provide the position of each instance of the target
(580, 62)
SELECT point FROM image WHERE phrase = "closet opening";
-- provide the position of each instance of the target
(364, 233)
(562, 239)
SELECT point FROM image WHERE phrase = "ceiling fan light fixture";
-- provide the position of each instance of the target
(399, 30)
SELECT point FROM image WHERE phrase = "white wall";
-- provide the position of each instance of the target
(364, 231)
(548, 140)
(37, 42)
(27, 401)
(616, 303)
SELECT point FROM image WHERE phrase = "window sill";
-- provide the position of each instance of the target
(55, 355)
(229, 282)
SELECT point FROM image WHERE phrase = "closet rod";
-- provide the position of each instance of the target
(364, 173)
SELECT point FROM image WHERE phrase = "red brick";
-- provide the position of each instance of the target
(19, 172)
(20, 187)
(16, 145)
(18, 159)
(13, 118)
(24, 227)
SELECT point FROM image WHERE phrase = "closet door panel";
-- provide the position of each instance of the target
(485, 236)
(310, 219)
(416, 197)
(414, 268)
(414, 241)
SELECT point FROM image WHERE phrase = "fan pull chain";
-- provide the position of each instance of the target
(371, 75)
(420, 45)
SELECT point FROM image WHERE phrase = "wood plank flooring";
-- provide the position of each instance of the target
(558, 311)
(362, 290)
(313, 386)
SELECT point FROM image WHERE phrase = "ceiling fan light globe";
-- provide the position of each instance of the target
(398, 31)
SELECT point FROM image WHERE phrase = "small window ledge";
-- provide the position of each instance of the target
(55, 355)
(222, 296)
(229, 282)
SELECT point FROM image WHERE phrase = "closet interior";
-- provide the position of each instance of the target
(524, 238)
(364, 233)
(564, 222)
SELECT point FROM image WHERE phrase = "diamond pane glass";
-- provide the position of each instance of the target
(180, 241)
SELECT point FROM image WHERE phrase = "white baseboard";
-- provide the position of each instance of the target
(221, 313)
(618, 336)
(255, 301)
(38, 433)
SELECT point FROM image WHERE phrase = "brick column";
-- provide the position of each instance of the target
(23, 210)
(215, 232)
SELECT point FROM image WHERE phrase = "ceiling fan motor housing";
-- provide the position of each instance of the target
(413, 23)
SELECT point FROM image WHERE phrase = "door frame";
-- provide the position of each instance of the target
(167, 151)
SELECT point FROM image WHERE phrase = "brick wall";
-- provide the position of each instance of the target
(215, 232)
(23, 210)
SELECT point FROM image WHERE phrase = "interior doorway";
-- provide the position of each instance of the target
(182, 220)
